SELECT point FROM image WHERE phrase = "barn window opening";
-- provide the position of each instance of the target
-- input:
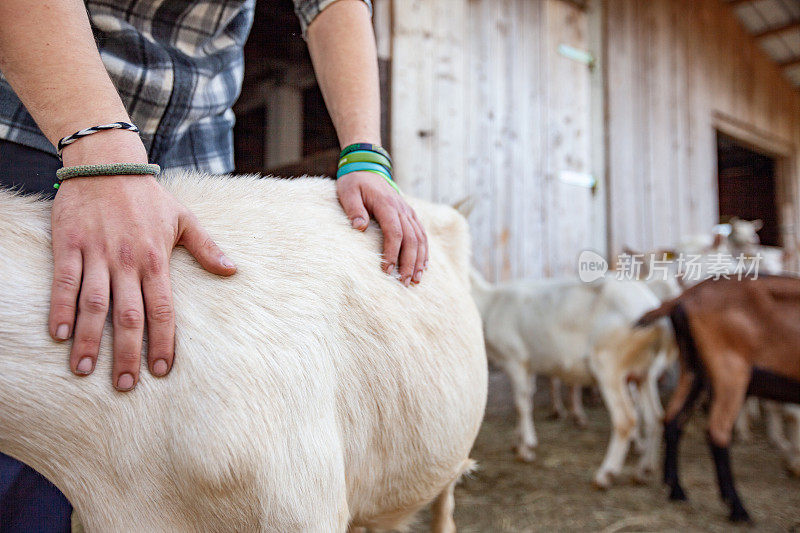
(747, 187)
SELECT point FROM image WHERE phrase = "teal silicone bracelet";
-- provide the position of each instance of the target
(363, 156)
(355, 167)
(369, 167)
(365, 146)
(112, 169)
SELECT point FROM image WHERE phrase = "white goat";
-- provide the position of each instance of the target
(582, 334)
(310, 392)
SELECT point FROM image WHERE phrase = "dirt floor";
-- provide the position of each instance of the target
(554, 493)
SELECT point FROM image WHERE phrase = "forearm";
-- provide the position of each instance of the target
(342, 46)
(48, 55)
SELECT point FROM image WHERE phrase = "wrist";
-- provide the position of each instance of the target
(110, 146)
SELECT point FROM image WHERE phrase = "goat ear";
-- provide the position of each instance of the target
(757, 224)
(465, 206)
(666, 253)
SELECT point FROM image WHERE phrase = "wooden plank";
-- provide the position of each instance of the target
(448, 170)
(568, 132)
(533, 208)
(412, 117)
(479, 149)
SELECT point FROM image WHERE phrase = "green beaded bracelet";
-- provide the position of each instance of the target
(112, 169)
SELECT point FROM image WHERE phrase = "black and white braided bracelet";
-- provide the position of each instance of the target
(94, 129)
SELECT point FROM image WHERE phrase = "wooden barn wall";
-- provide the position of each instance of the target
(484, 106)
(675, 69)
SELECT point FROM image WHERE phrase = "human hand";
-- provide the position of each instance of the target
(112, 239)
(405, 243)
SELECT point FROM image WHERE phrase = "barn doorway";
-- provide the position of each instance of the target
(748, 187)
(282, 125)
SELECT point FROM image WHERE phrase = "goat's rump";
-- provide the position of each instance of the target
(757, 318)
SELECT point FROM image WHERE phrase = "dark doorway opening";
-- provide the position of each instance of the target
(282, 125)
(748, 187)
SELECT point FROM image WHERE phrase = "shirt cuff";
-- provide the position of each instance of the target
(307, 10)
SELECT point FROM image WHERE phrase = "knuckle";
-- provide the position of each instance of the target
(395, 232)
(95, 303)
(130, 318)
(62, 308)
(409, 239)
(161, 313)
(67, 280)
(209, 244)
(87, 345)
(153, 261)
(69, 239)
(160, 350)
(406, 269)
(125, 256)
(129, 361)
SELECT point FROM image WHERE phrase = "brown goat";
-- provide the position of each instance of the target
(737, 337)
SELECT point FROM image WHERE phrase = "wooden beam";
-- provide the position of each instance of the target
(737, 3)
(794, 25)
(793, 62)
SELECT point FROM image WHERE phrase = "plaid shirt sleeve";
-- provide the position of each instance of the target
(307, 10)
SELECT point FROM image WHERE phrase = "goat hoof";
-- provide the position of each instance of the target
(581, 422)
(525, 454)
(556, 415)
(641, 477)
(739, 515)
(602, 481)
(676, 494)
(793, 467)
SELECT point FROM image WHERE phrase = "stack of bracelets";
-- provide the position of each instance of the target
(365, 157)
(110, 169)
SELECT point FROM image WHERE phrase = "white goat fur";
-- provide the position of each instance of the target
(582, 334)
(310, 391)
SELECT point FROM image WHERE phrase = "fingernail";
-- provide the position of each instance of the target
(358, 222)
(160, 367)
(227, 263)
(425, 265)
(62, 332)
(84, 366)
(407, 281)
(125, 382)
(417, 276)
(389, 268)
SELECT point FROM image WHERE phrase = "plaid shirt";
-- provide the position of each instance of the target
(178, 66)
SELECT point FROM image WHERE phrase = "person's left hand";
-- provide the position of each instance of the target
(405, 244)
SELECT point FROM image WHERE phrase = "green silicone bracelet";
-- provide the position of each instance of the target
(112, 169)
(389, 180)
(362, 156)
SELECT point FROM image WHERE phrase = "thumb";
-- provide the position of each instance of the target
(199, 243)
(353, 205)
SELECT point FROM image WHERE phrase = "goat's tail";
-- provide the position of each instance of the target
(659, 312)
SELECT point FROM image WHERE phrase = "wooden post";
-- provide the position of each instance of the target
(284, 139)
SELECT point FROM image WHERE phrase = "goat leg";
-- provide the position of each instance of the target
(722, 462)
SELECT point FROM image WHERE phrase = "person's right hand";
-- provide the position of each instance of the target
(112, 239)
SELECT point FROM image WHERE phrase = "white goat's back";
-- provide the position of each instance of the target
(307, 388)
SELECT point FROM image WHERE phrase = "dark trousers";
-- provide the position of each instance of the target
(28, 502)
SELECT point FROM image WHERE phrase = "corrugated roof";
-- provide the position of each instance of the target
(776, 25)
